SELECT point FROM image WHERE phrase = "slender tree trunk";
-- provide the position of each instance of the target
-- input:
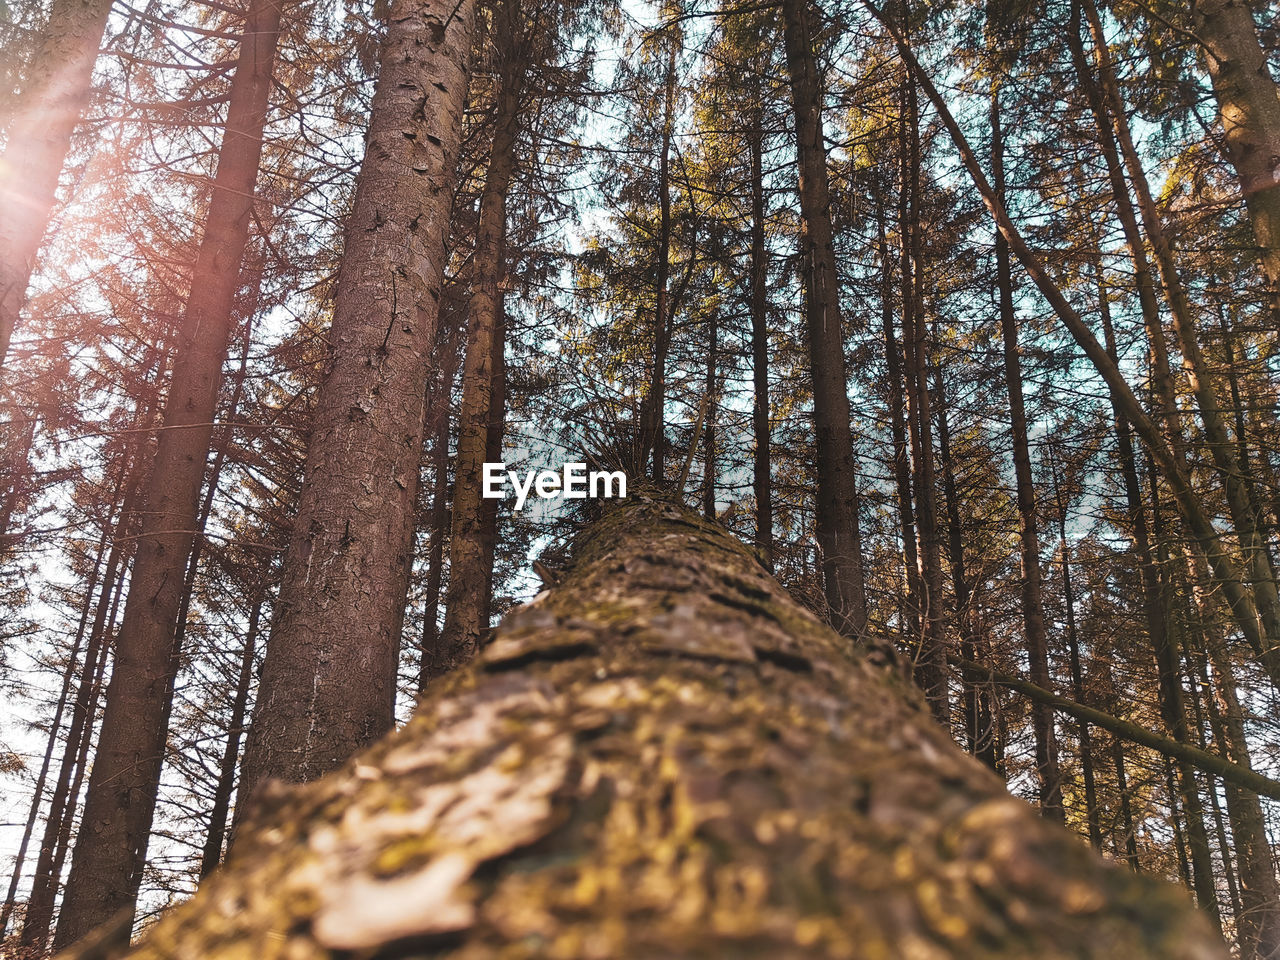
(653, 428)
(494, 438)
(979, 719)
(1195, 664)
(1077, 673)
(1047, 768)
(901, 452)
(45, 115)
(709, 426)
(211, 855)
(438, 407)
(479, 422)
(329, 676)
(839, 534)
(1249, 109)
(524, 814)
(761, 461)
(110, 850)
(930, 654)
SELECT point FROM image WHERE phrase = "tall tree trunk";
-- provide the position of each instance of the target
(979, 717)
(653, 427)
(329, 676)
(211, 855)
(608, 777)
(39, 136)
(1077, 672)
(110, 850)
(709, 426)
(839, 535)
(479, 423)
(929, 656)
(1249, 109)
(898, 432)
(1122, 776)
(1037, 636)
(761, 461)
(438, 407)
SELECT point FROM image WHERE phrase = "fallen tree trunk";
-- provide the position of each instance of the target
(666, 756)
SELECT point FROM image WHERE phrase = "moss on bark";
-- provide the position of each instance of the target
(665, 756)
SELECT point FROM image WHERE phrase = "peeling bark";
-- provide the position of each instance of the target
(665, 755)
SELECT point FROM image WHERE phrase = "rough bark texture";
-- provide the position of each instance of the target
(110, 849)
(328, 680)
(839, 536)
(471, 547)
(1249, 109)
(666, 756)
(39, 137)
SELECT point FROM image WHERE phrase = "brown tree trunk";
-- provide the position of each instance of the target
(438, 407)
(761, 461)
(929, 655)
(898, 432)
(1249, 109)
(110, 850)
(1077, 672)
(979, 717)
(211, 855)
(709, 424)
(471, 544)
(839, 535)
(329, 676)
(725, 781)
(1037, 636)
(39, 136)
(653, 427)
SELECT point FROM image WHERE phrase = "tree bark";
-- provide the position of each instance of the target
(471, 544)
(438, 406)
(329, 676)
(39, 136)
(1249, 109)
(1037, 636)
(110, 850)
(653, 428)
(665, 755)
(762, 460)
(929, 653)
(839, 535)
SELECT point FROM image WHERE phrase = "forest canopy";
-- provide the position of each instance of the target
(963, 317)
